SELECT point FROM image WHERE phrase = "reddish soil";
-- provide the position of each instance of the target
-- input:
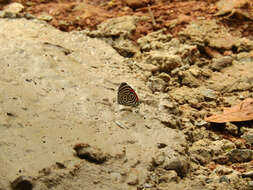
(173, 15)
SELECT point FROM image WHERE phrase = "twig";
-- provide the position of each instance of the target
(120, 125)
(151, 15)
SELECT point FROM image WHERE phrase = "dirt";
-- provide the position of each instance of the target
(61, 126)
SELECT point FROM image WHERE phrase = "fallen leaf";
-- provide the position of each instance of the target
(240, 112)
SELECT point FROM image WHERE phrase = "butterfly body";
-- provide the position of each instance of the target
(127, 96)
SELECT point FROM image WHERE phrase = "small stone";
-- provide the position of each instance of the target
(168, 120)
(248, 136)
(91, 154)
(232, 128)
(161, 145)
(14, 8)
(116, 176)
(45, 17)
(170, 176)
(29, 16)
(240, 155)
(134, 4)
(156, 84)
(22, 183)
(176, 162)
(148, 185)
(164, 76)
(195, 72)
(222, 170)
(200, 123)
(133, 177)
(208, 93)
(158, 159)
(220, 63)
(224, 179)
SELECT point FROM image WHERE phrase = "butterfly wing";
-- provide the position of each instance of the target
(127, 96)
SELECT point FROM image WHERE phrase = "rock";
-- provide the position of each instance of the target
(135, 4)
(232, 128)
(14, 8)
(205, 150)
(220, 63)
(208, 93)
(194, 71)
(22, 183)
(29, 16)
(164, 76)
(224, 179)
(154, 40)
(248, 136)
(200, 123)
(120, 26)
(161, 145)
(169, 106)
(208, 32)
(148, 185)
(189, 80)
(168, 120)
(45, 17)
(166, 61)
(156, 84)
(250, 185)
(169, 159)
(124, 47)
(148, 67)
(91, 154)
(158, 159)
(170, 176)
(178, 163)
(240, 155)
(132, 178)
(223, 170)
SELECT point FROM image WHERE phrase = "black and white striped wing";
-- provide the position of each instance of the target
(127, 96)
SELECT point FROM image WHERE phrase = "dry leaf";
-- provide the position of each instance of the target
(240, 112)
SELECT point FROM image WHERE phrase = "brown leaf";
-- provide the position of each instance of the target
(240, 112)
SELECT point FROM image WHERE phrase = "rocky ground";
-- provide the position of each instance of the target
(60, 124)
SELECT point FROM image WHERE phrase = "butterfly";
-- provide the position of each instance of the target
(127, 96)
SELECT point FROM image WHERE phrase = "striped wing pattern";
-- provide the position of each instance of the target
(127, 96)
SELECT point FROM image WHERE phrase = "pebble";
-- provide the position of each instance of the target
(232, 128)
(134, 4)
(156, 84)
(222, 62)
(178, 163)
(208, 93)
(47, 18)
(224, 179)
(14, 8)
(170, 176)
(240, 155)
(248, 136)
(89, 153)
(148, 185)
(133, 178)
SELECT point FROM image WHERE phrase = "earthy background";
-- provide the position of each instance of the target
(61, 126)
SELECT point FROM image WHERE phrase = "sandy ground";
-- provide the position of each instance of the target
(59, 89)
